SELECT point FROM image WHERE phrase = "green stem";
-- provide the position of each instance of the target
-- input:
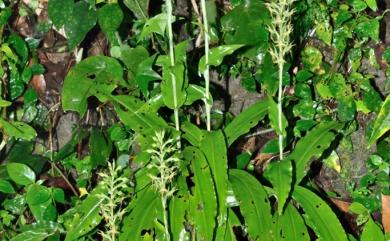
(166, 225)
(206, 73)
(172, 61)
(280, 110)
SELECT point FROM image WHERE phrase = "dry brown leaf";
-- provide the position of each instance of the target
(342, 205)
(386, 212)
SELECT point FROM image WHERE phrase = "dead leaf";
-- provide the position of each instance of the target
(341, 205)
(386, 212)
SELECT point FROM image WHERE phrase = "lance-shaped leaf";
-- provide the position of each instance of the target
(382, 122)
(245, 121)
(174, 85)
(372, 232)
(217, 54)
(254, 204)
(274, 117)
(214, 148)
(192, 133)
(290, 226)
(232, 222)
(319, 216)
(178, 209)
(85, 216)
(280, 175)
(312, 146)
(142, 216)
(135, 115)
(204, 202)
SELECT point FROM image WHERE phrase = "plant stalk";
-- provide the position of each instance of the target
(172, 62)
(280, 110)
(206, 73)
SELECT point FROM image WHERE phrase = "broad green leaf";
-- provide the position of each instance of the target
(145, 74)
(367, 28)
(37, 194)
(82, 19)
(254, 204)
(85, 216)
(20, 173)
(312, 59)
(274, 117)
(91, 76)
(133, 114)
(5, 14)
(37, 231)
(194, 93)
(100, 147)
(319, 216)
(19, 46)
(290, 226)
(372, 232)
(280, 175)
(156, 24)
(214, 148)
(204, 202)
(245, 121)
(18, 129)
(382, 122)
(110, 17)
(6, 187)
(138, 7)
(312, 146)
(60, 11)
(246, 24)
(372, 4)
(131, 58)
(174, 85)
(217, 54)
(324, 32)
(141, 217)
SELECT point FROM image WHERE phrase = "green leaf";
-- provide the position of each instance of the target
(156, 24)
(5, 14)
(178, 206)
(280, 175)
(138, 7)
(254, 204)
(192, 133)
(274, 117)
(214, 148)
(133, 114)
(19, 46)
(382, 122)
(18, 129)
(37, 194)
(77, 25)
(131, 58)
(312, 146)
(60, 11)
(290, 226)
(100, 147)
(194, 93)
(32, 235)
(372, 232)
(246, 24)
(6, 187)
(368, 28)
(245, 121)
(324, 32)
(145, 74)
(372, 4)
(312, 59)
(174, 82)
(110, 17)
(20, 173)
(85, 216)
(319, 216)
(37, 231)
(89, 77)
(217, 54)
(204, 202)
(142, 216)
